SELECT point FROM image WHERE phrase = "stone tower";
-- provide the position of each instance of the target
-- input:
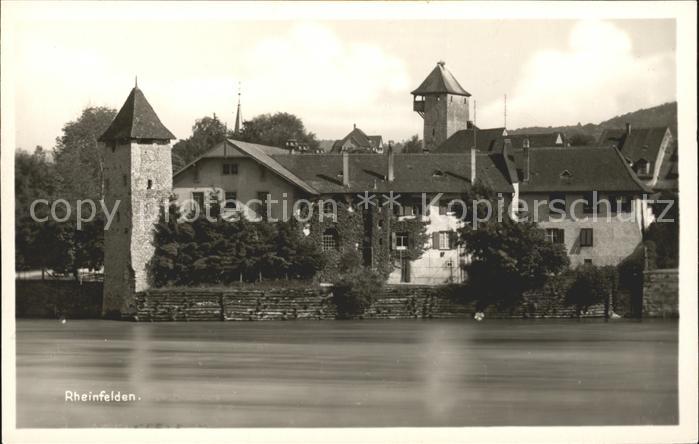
(137, 175)
(443, 104)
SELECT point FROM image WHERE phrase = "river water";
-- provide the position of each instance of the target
(348, 373)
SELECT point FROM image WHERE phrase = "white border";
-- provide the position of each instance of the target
(683, 12)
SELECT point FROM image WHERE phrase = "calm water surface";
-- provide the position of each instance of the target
(348, 373)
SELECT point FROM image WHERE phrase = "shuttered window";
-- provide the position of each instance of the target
(555, 235)
(444, 240)
(586, 237)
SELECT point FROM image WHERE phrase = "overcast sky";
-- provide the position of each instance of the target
(336, 73)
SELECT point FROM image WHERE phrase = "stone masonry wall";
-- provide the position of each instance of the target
(395, 302)
(661, 293)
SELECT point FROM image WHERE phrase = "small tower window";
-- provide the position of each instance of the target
(123, 177)
(150, 184)
(113, 146)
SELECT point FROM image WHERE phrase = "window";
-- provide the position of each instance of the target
(113, 146)
(588, 261)
(443, 240)
(557, 201)
(150, 184)
(586, 237)
(643, 167)
(125, 179)
(589, 203)
(230, 202)
(555, 235)
(198, 198)
(329, 240)
(106, 183)
(401, 241)
(230, 168)
(263, 173)
(620, 204)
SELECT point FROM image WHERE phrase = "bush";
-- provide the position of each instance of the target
(218, 251)
(354, 292)
(591, 285)
(631, 268)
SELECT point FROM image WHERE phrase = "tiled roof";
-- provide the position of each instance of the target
(644, 143)
(612, 137)
(258, 152)
(136, 120)
(414, 173)
(536, 140)
(326, 145)
(440, 81)
(551, 169)
(359, 139)
(587, 169)
(462, 141)
(376, 141)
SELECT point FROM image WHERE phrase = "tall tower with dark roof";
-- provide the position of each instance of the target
(137, 183)
(443, 104)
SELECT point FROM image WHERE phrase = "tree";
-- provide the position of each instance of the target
(507, 257)
(276, 130)
(591, 285)
(215, 250)
(78, 157)
(354, 292)
(412, 145)
(581, 139)
(35, 178)
(206, 132)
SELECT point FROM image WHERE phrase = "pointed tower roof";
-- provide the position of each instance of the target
(440, 81)
(136, 120)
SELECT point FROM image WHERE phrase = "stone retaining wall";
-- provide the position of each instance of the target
(394, 302)
(661, 293)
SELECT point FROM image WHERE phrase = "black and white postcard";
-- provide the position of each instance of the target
(349, 222)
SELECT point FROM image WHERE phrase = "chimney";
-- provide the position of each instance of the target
(473, 164)
(345, 169)
(391, 157)
(628, 129)
(525, 175)
(354, 126)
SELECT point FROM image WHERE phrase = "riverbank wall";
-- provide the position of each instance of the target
(55, 299)
(393, 302)
(661, 291)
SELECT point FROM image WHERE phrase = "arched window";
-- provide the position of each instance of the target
(329, 241)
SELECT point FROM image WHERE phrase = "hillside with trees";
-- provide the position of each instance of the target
(665, 114)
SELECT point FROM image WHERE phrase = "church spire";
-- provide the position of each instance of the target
(238, 116)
